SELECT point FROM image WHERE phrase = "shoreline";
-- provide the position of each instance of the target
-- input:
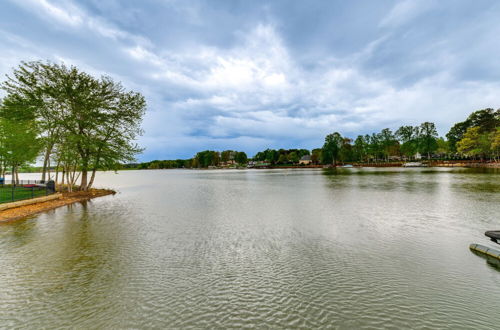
(21, 212)
(354, 165)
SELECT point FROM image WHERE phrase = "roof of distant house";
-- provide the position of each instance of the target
(306, 157)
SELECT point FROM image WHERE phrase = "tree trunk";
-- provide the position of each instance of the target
(45, 162)
(48, 170)
(83, 184)
(92, 177)
(70, 188)
(57, 170)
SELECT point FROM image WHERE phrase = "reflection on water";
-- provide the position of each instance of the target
(348, 248)
(490, 261)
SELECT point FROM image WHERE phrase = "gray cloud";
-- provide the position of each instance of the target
(251, 75)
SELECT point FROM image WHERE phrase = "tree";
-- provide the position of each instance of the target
(283, 159)
(331, 148)
(241, 158)
(316, 156)
(19, 143)
(407, 138)
(495, 144)
(226, 156)
(302, 152)
(204, 159)
(346, 153)
(97, 117)
(456, 133)
(374, 146)
(487, 120)
(293, 157)
(442, 147)
(25, 89)
(469, 145)
(387, 142)
(360, 148)
(427, 138)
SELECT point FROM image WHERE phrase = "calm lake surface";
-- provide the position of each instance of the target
(355, 248)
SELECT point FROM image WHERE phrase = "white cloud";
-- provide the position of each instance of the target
(404, 12)
(257, 90)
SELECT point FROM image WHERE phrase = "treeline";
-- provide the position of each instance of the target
(76, 123)
(203, 159)
(282, 156)
(478, 137)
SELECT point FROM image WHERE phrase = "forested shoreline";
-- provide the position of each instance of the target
(475, 138)
(78, 124)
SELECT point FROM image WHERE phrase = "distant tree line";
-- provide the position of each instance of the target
(478, 137)
(76, 123)
(281, 156)
(203, 159)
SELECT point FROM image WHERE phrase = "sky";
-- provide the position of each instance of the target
(250, 75)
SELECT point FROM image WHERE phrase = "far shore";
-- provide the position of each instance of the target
(464, 164)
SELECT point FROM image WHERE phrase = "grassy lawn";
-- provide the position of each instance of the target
(19, 193)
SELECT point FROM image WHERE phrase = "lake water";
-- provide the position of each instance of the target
(353, 248)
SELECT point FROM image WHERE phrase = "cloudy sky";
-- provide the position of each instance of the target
(249, 75)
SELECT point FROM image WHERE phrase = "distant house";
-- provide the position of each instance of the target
(394, 158)
(418, 155)
(305, 160)
(229, 163)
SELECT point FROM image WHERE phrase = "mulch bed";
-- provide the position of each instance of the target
(67, 198)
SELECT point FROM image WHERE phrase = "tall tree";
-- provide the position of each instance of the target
(487, 120)
(469, 145)
(26, 95)
(331, 148)
(316, 156)
(19, 143)
(346, 150)
(407, 138)
(387, 142)
(359, 148)
(241, 158)
(98, 117)
(427, 139)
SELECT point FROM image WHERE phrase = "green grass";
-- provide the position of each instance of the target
(20, 193)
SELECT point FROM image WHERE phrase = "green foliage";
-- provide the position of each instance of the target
(443, 146)
(487, 120)
(470, 143)
(316, 156)
(19, 142)
(346, 152)
(331, 148)
(227, 155)
(207, 158)
(407, 136)
(495, 143)
(85, 122)
(241, 158)
(427, 138)
(293, 157)
(281, 156)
